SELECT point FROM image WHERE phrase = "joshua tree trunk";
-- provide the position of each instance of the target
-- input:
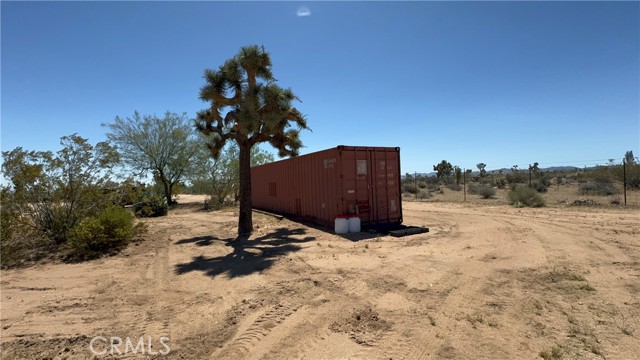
(245, 221)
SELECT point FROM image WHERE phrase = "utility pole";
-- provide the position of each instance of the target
(464, 183)
(415, 183)
(624, 181)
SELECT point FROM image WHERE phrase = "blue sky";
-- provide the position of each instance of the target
(502, 83)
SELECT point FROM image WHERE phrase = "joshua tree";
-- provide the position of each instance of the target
(249, 108)
(458, 172)
(481, 167)
(629, 158)
(443, 170)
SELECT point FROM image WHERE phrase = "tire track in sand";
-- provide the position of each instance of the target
(247, 340)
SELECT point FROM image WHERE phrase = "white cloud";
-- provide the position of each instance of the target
(303, 11)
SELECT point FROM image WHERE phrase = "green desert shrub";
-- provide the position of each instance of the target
(500, 182)
(596, 188)
(409, 188)
(8, 223)
(150, 204)
(601, 174)
(8, 215)
(633, 175)
(484, 190)
(454, 187)
(53, 192)
(433, 187)
(525, 196)
(110, 229)
(515, 177)
(423, 194)
(540, 186)
(473, 188)
(21, 243)
(129, 192)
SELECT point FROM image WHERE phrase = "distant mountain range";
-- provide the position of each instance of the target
(508, 171)
(552, 168)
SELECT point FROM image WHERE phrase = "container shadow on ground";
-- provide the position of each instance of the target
(248, 256)
(362, 235)
(367, 232)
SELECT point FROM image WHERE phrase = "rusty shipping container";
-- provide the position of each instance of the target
(340, 181)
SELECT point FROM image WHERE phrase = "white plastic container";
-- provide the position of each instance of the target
(341, 225)
(354, 224)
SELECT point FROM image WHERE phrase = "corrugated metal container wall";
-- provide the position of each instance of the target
(340, 181)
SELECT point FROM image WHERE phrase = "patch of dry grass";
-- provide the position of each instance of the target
(554, 353)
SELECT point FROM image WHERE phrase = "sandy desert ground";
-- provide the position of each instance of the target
(487, 282)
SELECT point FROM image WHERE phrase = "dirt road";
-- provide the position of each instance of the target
(487, 282)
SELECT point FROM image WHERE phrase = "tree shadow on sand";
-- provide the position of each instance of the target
(248, 255)
(200, 240)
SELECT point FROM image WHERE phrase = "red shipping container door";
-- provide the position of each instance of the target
(340, 181)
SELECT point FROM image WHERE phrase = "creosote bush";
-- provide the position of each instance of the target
(433, 187)
(500, 182)
(540, 186)
(128, 192)
(54, 192)
(484, 190)
(409, 188)
(525, 197)
(423, 194)
(150, 204)
(515, 177)
(111, 229)
(472, 188)
(596, 188)
(454, 187)
(487, 191)
(8, 215)
(633, 175)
